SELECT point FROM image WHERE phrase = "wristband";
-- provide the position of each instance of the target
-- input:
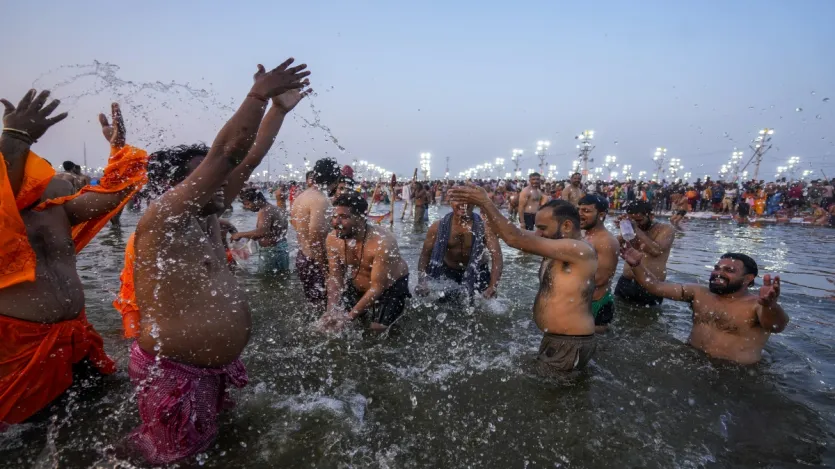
(257, 96)
(21, 135)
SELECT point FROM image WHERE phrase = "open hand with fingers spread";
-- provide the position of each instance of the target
(770, 291)
(279, 80)
(631, 255)
(30, 119)
(113, 131)
(469, 194)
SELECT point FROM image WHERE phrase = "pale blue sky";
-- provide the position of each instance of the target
(470, 80)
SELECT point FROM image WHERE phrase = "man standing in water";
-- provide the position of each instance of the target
(406, 196)
(366, 274)
(573, 193)
(651, 238)
(270, 232)
(593, 210)
(309, 217)
(728, 322)
(454, 249)
(195, 318)
(530, 200)
(43, 326)
(421, 202)
(562, 309)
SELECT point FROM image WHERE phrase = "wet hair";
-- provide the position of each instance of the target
(68, 166)
(308, 175)
(348, 181)
(747, 262)
(639, 206)
(354, 201)
(576, 174)
(252, 195)
(326, 171)
(562, 210)
(169, 167)
(593, 199)
(534, 175)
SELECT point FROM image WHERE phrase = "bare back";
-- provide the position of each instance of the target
(276, 221)
(193, 310)
(606, 246)
(563, 303)
(309, 217)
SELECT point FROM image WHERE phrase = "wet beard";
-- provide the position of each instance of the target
(726, 289)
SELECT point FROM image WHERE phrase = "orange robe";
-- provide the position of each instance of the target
(36, 362)
(125, 303)
(36, 359)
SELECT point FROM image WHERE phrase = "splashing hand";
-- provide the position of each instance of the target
(422, 289)
(287, 101)
(469, 194)
(30, 115)
(490, 292)
(114, 132)
(280, 79)
(631, 255)
(770, 290)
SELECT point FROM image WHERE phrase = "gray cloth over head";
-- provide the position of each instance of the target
(436, 263)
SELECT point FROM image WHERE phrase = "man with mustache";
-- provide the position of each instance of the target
(530, 200)
(573, 193)
(652, 238)
(728, 322)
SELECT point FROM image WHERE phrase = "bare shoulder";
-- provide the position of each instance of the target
(58, 187)
(662, 229)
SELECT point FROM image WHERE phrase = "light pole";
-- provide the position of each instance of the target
(517, 160)
(627, 172)
(760, 145)
(675, 167)
(660, 156)
(425, 165)
(610, 164)
(446, 174)
(542, 153)
(500, 165)
(641, 175)
(585, 148)
(552, 172)
(794, 161)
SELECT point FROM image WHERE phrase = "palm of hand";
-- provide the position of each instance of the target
(287, 101)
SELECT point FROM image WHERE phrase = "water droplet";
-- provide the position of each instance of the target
(826, 100)
(800, 109)
(413, 398)
(214, 292)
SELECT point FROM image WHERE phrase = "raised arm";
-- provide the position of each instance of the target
(22, 126)
(231, 145)
(645, 278)
(281, 106)
(655, 247)
(336, 273)
(770, 314)
(496, 261)
(566, 250)
(90, 205)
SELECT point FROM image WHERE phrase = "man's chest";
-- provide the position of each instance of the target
(733, 317)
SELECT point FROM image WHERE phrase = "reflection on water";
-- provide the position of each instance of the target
(451, 389)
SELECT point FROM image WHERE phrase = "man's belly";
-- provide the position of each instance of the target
(716, 343)
(205, 329)
(56, 295)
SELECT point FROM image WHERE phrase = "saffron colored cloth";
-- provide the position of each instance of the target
(36, 362)
(178, 404)
(17, 259)
(125, 303)
(126, 168)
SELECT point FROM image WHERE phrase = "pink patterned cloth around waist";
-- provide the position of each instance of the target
(178, 404)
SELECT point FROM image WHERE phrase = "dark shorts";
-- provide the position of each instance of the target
(312, 276)
(388, 307)
(530, 221)
(457, 276)
(420, 213)
(681, 213)
(628, 289)
(603, 310)
(566, 353)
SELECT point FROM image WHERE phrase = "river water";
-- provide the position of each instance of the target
(452, 389)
